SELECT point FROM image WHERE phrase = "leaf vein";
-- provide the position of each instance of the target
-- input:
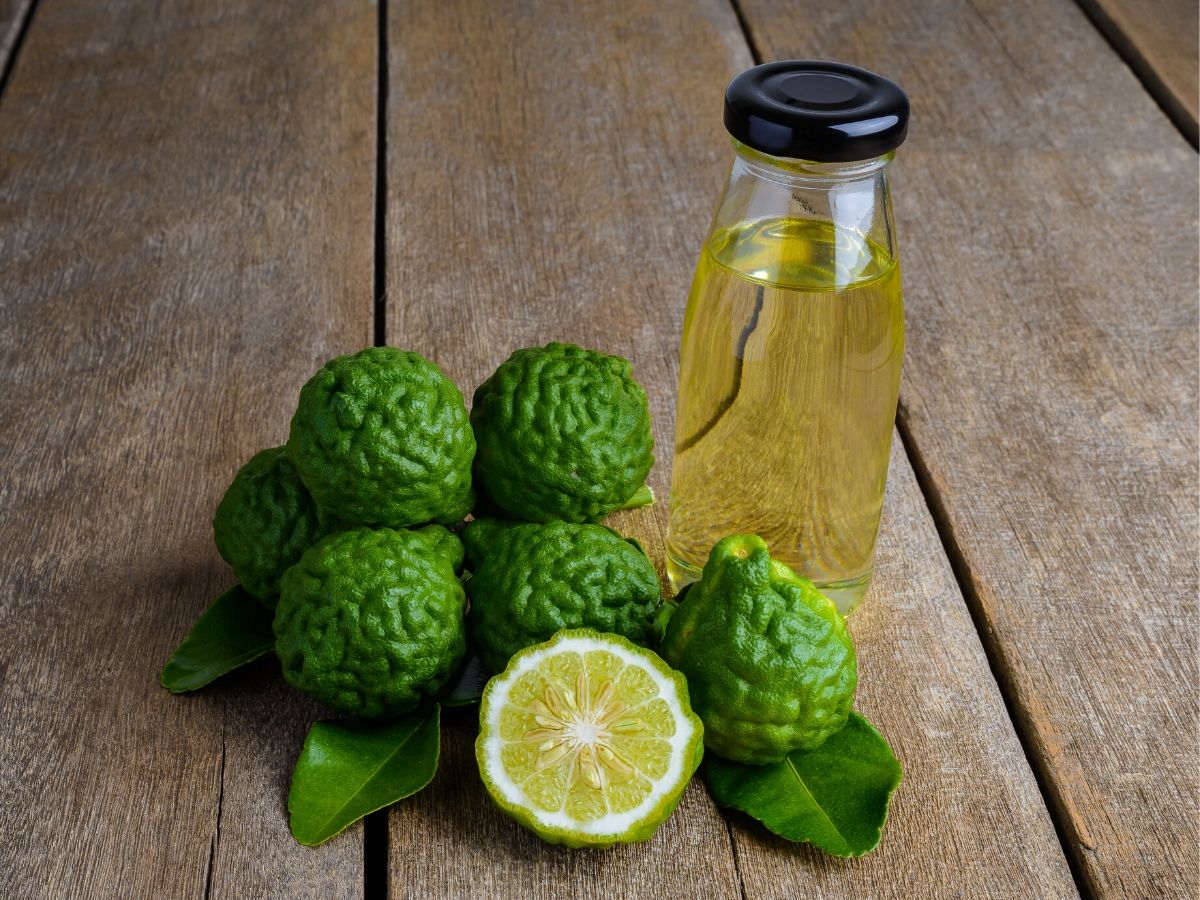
(804, 785)
(333, 817)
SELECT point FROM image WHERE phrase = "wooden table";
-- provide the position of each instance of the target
(202, 200)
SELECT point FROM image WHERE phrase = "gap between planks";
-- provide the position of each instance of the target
(747, 35)
(376, 839)
(12, 37)
(1125, 45)
(381, 100)
(216, 838)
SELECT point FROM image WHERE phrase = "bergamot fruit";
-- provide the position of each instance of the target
(265, 521)
(383, 438)
(529, 581)
(769, 663)
(445, 542)
(563, 433)
(370, 622)
(588, 740)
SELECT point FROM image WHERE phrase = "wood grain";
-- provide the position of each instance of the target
(185, 234)
(551, 174)
(1047, 226)
(1158, 40)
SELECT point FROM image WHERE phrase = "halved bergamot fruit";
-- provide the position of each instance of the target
(588, 740)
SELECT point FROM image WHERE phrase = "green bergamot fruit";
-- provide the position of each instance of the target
(445, 542)
(769, 663)
(530, 581)
(383, 438)
(265, 521)
(370, 621)
(563, 433)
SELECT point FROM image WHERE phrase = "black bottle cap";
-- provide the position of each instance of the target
(821, 111)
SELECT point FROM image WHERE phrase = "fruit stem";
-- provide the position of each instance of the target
(643, 496)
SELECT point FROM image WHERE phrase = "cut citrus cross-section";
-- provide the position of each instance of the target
(588, 740)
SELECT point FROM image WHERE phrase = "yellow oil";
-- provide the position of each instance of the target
(790, 370)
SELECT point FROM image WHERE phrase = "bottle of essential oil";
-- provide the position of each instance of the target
(794, 332)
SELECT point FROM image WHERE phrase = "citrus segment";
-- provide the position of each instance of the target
(588, 740)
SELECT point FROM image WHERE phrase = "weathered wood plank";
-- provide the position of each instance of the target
(1046, 212)
(1158, 40)
(546, 181)
(551, 173)
(185, 234)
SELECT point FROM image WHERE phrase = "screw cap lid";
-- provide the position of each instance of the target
(820, 111)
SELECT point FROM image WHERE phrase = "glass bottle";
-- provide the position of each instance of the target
(794, 331)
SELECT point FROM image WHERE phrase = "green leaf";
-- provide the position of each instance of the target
(467, 687)
(835, 797)
(235, 630)
(349, 769)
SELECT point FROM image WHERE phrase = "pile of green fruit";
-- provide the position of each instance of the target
(397, 551)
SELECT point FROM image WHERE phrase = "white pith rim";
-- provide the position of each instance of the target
(612, 823)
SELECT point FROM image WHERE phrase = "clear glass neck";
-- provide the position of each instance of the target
(807, 172)
(851, 199)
